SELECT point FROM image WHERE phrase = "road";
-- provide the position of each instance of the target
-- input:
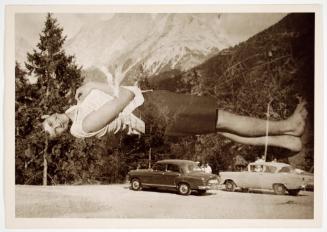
(118, 201)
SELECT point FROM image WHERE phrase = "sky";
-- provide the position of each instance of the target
(240, 26)
(31, 24)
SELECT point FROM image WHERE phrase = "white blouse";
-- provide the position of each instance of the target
(96, 99)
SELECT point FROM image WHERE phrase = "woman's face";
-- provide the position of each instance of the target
(57, 124)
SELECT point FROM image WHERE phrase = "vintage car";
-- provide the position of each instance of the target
(279, 177)
(181, 175)
(308, 179)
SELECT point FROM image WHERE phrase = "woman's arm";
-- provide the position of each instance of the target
(108, 112)
(85, 89)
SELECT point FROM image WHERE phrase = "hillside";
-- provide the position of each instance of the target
(277, 63)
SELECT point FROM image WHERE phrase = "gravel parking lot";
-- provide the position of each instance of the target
(118, 201)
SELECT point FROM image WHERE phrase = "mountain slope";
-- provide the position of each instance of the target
(103, 42)
(156, 42)
(276, 64)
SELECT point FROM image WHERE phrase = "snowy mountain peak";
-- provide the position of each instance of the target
(156, 41)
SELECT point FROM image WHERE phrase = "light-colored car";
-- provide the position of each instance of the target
(308, 179)
(279, 177)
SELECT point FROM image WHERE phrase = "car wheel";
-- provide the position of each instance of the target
(279, 189)
(135, 184)
(293, 192)
(202, 191)
(184, 189)
(230, 186)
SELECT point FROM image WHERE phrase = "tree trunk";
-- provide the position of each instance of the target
(45, 163)
(45, 153)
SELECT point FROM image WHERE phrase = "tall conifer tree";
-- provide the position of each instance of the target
(57, 79)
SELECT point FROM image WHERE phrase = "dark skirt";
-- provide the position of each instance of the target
(176, 114)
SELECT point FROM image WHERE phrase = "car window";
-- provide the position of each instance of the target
(172, 168)
(270, 169)
(256, 168)
(159, 167)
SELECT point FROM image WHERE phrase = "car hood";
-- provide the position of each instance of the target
(306, 174)
(201, 174)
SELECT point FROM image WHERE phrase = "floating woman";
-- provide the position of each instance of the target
(100, 111)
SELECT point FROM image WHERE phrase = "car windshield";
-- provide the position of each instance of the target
(270, 169)
(159, 167)
(287, 169)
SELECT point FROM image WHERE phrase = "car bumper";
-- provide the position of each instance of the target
(307, 187)
(208, 187)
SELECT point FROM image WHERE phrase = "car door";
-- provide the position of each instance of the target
(254, 176)
(268, 176)
(157, 176)
(173, 171)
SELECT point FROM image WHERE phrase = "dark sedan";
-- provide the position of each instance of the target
(181, 175)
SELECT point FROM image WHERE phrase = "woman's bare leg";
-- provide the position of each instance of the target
(290, 142)
(254, 127)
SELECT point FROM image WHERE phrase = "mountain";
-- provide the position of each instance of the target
(148, 43)
(154, 42)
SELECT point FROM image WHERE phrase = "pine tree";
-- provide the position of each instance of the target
(58, 77)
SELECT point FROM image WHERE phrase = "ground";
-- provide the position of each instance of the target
(118, 201)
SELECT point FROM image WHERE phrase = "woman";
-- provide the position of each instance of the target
(100, 112)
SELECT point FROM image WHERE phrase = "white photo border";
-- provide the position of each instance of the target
(52, 223)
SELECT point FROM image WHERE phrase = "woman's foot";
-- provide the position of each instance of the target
(296, 122)
(292, 143)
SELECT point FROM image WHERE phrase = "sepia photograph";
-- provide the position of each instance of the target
(164, 114)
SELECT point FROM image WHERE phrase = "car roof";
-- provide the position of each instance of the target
(276, 164)
(176, 161)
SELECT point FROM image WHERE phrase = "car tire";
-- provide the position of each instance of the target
(184, 189)
(293, 192)
(136, 184)
(279, 189)
(202, 192)
(230, 186)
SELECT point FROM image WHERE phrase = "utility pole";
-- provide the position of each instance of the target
(267, 129)
(150, 158)
(150, 149)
